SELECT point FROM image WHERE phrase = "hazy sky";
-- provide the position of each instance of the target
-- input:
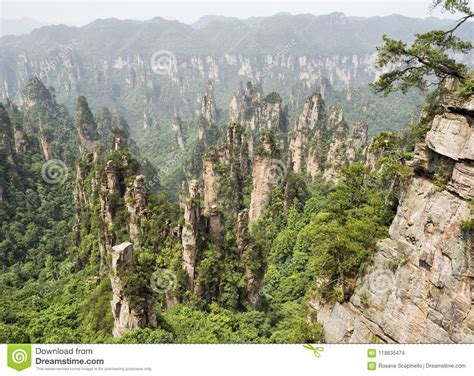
(82, 12)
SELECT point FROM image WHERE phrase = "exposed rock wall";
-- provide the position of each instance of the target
(109, 193)
(320, 142)
(126, 317)
(207, 117)
(208, 105)
(86, 127)
(135, 201)
(190, 236)
(419, 288)
(232, 160)
(211, 184)
(177, 126)
(266, 174)
(255, 112)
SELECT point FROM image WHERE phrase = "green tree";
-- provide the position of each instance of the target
(428, 58)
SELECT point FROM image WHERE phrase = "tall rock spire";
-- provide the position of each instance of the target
(86, 126)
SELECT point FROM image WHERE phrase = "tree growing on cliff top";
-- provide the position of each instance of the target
(428, 60)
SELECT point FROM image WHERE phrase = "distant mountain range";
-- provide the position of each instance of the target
(113, 63)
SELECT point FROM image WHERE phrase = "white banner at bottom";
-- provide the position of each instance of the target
(220, 360)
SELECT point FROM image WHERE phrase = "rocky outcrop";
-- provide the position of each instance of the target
(135, 201)
(44, 142)
(337, 153)
(462, 180)
(126, 317)
(20, 141)
(242, 107)
(177, 126)
(306, 127)
(242, 233)
(451, 135)
(319, 142)
(104, 123)
(147, 120)
(211, 182)
(19, 136)
(86, 127)
(208, 105)
(109, 194)
(207, 117)
(190, 236)
(216, 228)
(229, 161)
(42, 114)
(35, 93)
(261, 185)
(84, 193)
(357, 144)
(255, 112)
(420, 284)
(268, 171)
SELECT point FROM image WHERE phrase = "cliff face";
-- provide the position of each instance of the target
(255, 112)
(45, 122)
(19, 136)
(208, 105)
(226, 162)
(135, 201)
(420, 286)
(86, 127)
(191, 230)
(268, 171)
(127, 315)
(319, 142)
(177, 126)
